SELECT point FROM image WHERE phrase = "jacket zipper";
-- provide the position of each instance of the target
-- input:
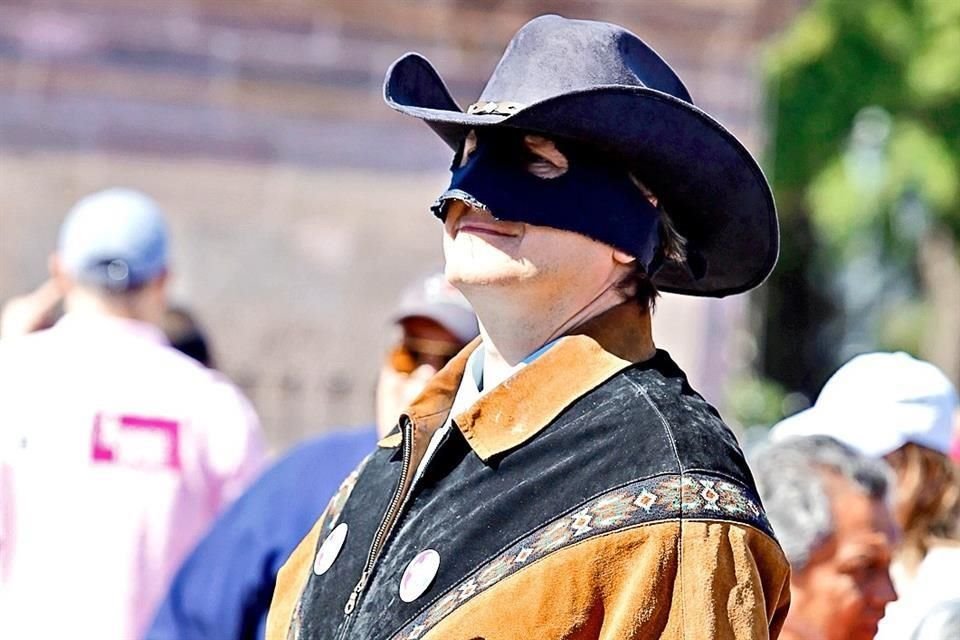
(386, 524)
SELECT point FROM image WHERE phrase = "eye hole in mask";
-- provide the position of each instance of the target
(467, 147)
(540, 156)
(546, 160)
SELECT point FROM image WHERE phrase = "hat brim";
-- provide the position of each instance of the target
(715, 191)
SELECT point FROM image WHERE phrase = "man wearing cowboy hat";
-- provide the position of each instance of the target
(559, 478)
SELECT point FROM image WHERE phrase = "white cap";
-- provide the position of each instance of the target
(878, 402)
(436, 299)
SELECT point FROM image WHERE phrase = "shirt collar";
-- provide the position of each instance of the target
(475, 373)
(516, 410)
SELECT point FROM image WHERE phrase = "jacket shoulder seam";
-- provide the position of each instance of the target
(676, 455)
(667, 427)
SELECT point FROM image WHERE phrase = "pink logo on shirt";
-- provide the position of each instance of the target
(136, 441)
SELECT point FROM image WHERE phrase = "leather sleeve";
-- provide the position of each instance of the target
(704, 579)
(290, 582)
(734, 583)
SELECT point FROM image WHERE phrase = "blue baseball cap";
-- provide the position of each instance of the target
(114, 239)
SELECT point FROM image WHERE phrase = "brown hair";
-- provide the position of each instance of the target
(637, 285)
(927, 499)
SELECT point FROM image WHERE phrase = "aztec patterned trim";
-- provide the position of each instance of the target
(691, 496)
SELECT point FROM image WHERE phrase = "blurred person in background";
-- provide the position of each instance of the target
(829, 506)
(223, 590)
(33, 311)
(559, 478)
(955, 447)
(186, 335)
(117, 451)
(901, 409)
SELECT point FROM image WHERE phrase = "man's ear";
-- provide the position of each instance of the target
(58, 273)
(622, 257)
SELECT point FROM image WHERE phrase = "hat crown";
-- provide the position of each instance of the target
(887, 378)
(877, 402)
(116, 238)
(552, 56)
(434, 298)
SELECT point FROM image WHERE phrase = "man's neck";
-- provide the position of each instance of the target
(511, 332)
(85, 304)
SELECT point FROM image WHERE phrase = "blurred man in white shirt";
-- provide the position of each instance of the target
(117, 451)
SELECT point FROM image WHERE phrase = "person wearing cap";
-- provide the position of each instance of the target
(559, 478)
(830, 507)
(117, 452)
(223, 589)
(896, 407)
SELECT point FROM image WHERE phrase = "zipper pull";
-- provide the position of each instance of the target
(355, 594)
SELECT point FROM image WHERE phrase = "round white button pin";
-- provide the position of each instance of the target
(419, 575)
(330, 549)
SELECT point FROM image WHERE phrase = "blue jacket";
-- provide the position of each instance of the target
(223, 589)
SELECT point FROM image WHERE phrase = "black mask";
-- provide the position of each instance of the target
(594, 197)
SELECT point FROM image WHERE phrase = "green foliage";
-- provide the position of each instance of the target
(840, 56)
(755, 401)
(903, 329)
(864, 104)
(916, 159)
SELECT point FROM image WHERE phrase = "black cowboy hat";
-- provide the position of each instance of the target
(599, 84)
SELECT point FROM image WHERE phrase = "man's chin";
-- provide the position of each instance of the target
(467, 277)
(485, 285)
(865, 631)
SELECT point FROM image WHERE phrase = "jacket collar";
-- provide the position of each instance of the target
(524, 404)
